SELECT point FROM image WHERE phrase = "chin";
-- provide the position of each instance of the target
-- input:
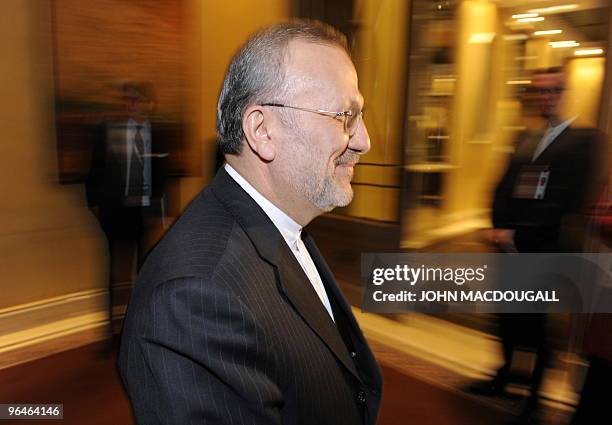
(338, 202)
(336, 193)
(346, 197)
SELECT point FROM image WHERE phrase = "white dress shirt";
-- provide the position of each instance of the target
(550, 135)
(145, 133)
(291, 232)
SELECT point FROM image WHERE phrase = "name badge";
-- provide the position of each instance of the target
(532, 182)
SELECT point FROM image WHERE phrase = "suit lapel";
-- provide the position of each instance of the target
(302, 296)
(527, 146)
(292, 280)
(370, 374)
(116, 135)
(328, 277)
(558, 144)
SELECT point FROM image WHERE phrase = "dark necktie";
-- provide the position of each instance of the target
(136, 187)
(139, 142)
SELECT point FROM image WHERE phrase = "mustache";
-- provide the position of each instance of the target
(348, 157)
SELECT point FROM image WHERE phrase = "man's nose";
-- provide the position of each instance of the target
(360, 141)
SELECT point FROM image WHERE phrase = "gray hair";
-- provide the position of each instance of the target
(257, 72)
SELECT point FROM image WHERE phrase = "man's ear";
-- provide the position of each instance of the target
(256, 127)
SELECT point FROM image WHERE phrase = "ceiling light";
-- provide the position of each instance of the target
(560, 44)
(518, 82)
(554, 9)
(548, 32)
(538, 19)
(586, 52)
(525, 15)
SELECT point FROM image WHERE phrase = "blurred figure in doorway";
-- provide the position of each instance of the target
(125, 187)
(538, 208)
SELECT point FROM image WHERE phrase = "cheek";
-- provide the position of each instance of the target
(336, 146)
(325, 147)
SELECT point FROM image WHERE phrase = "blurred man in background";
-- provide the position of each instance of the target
(125, 186)
(553, 174)
(539, 207)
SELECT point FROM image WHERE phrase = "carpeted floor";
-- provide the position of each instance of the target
(85, 381)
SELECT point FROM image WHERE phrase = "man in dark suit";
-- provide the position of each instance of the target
(538, 207)
(236, 317)
(125, 181)
(553, 174)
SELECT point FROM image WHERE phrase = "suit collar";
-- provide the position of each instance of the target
(288, 227)
(266, 238)
(292, 281)
(131, 122)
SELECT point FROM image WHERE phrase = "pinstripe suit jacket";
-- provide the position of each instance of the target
(224, 327)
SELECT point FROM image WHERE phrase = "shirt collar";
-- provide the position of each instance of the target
(289, 228)
(133, 124)
(563, 125)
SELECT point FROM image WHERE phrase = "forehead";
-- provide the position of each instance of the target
(549, 80)
(321, 69)
(133, 95)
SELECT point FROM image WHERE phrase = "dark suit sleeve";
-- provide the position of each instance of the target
(95, 176)
(591, 173)
(194, 355)
(502, 199)
(502, 209)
